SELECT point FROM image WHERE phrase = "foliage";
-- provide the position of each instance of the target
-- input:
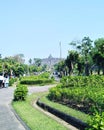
(61, 68)
(99, 44)
(37, 61)
(37, 68)
(12, 81)
(30, 61)
(12, 67)
(98, 54)
(20, 93)
(44, 75)
(97, 122)
(71, 60)
(19, 58)
(86, 47)
(19, 71)
(81, 57)
(79, 92)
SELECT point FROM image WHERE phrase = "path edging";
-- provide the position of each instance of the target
(69, 119)
(19, 118)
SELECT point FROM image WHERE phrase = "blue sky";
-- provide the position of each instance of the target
(35, 27)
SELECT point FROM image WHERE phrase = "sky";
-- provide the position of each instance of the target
(36, 27)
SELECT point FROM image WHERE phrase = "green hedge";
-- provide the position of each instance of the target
(85, 92)
(82, 81)
(35, 81)
(40, 79)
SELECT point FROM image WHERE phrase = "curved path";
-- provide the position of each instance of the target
(8, 120)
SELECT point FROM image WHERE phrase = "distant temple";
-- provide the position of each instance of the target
(50, 61)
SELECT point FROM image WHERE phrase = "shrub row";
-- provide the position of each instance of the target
(83, 93)
(39, 79)
(85, 98)
(35, 81)
(82, 81)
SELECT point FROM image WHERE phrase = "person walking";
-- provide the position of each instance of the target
(6, 82)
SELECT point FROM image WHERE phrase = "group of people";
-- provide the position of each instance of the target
(4, 81)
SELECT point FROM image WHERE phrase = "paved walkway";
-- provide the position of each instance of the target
(8, 120)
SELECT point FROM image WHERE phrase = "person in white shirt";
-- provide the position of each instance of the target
(1, 81)
(6, 82)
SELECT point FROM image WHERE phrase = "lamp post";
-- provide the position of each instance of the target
(60, 51)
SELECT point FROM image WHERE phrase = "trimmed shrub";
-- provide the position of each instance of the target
(20, 93)
(39, 79)
(35, 81)
(44, 75)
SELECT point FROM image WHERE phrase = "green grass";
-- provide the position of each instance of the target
(34, 118)
(77, 114)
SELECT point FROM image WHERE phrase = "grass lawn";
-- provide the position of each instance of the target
(77, 114)
(34, 118)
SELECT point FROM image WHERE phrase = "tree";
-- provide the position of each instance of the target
(98, 54)
(80, 65)
(19, 70)
(61, 67)
(10, 66)
(44, 67)
(71, 60)
(83, 48)
(30, 61)
(0, 56)
(37, 62)
(19, 58)
(86, 47)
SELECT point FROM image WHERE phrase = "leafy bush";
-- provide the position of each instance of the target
(82, 81)
(44, 75)
(97, 122)
(82, 93)
(85, 93)
(20, 93)
(11, 81)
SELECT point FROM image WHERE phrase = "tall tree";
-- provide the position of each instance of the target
(37, 61)
(0, 56)
(30, 61)
(71, 60)
(61, 68)
(83, 48)
(86, 47)
(98, 54)
(19, 58)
